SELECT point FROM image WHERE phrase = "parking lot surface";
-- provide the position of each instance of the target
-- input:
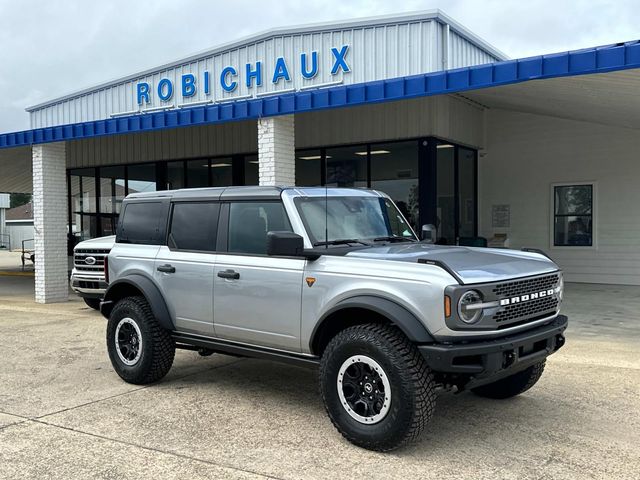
(64, 413)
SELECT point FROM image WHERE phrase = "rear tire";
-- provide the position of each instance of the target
(92, 303)
(395, 396)
(141, 351)
(513, 385)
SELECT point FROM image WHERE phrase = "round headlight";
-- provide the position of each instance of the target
(468, 307)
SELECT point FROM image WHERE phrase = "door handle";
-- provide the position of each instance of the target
(167, 269)
(230, 274)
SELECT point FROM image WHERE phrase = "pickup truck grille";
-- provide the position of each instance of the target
(81, 255)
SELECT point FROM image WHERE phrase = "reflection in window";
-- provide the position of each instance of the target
(175, 175)
(394, 171)
(309, 168)
(251, 170)
(194, 226)
(198, 173)
(347, 166)
(221, 172)
(446, 204)
(467, 191)
(83, 204)
(112, 189)
(142, 178)
(573, 215)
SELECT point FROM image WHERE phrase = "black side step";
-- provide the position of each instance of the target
(222, 346)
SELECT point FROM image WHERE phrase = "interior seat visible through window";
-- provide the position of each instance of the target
(249, 223)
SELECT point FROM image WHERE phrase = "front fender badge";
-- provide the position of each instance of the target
(310, 281)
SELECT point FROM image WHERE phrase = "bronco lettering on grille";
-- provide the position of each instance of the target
(526, 298)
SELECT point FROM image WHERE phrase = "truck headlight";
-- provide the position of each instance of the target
(560, 288)
(470, 306)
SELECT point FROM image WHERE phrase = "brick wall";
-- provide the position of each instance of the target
(50, 222)
(276, 150)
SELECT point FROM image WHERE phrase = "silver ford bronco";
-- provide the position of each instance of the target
(329, 278)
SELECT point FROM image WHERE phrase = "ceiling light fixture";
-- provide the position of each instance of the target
(218, 165)
(313, 157)
(373, 152)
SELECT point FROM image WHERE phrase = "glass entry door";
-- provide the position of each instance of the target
(451, 193)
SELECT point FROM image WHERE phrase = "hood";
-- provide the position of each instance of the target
(472, 265)
(100, 242)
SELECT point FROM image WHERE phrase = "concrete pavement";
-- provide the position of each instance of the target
(64, 413)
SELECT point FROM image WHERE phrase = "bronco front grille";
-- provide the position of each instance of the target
(80, 259)
(525, 310)
(530, 309)
(528, 285)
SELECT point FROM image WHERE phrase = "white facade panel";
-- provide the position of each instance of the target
(19, 231)
(526, 154)
(376, 49)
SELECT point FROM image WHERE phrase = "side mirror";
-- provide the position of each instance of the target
(428, 234)
(287, 244)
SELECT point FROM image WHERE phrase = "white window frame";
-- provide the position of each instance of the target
(594, 216)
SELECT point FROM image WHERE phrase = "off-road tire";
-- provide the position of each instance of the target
(158, 348)
(92, 303)
(413, 394)
(513, 385)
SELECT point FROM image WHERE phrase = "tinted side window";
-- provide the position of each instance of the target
(194, 226)
(140, 223)
(249, 223)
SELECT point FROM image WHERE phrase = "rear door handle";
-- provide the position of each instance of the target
(230, 274)
(167, 269)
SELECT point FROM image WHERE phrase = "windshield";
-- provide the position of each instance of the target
(333, 219)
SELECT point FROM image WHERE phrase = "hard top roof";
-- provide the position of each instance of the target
(251, 193)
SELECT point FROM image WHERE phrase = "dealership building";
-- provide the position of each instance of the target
(540, 152)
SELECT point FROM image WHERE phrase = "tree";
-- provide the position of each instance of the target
(17, 199)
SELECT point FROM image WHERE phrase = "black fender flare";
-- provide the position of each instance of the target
(151, 293)
(406, 321)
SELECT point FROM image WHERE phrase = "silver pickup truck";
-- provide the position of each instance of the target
(329, 278)
(88, 274)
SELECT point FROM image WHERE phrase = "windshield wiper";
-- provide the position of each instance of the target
(341, 241)
(394, 239)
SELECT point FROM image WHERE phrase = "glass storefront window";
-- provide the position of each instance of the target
(251, 176)
(221, 172)
(83, 203)
(467, 192)
(74, 192)
(391, 167)
(394, 171)
(347, 166)
(112, 189)
(142, 178)
(309, 168)
(84, 198)
(446, 203)
(198, 173)
(175, 175)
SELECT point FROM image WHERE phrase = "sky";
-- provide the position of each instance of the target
(49, 49)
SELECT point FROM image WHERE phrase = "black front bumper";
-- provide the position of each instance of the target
(488, 360)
